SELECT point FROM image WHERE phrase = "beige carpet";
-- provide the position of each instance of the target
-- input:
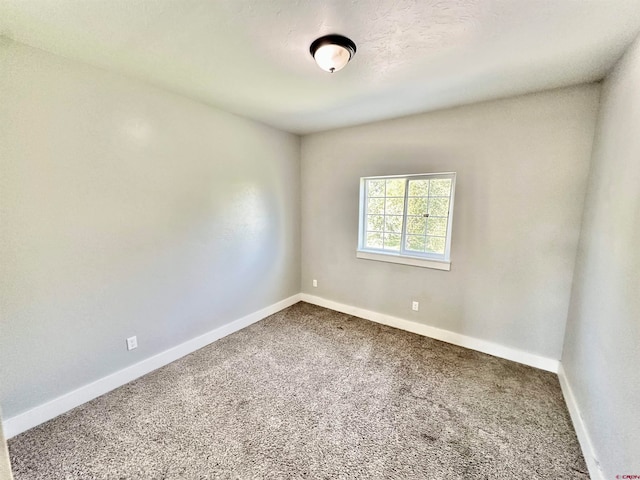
(311, 393)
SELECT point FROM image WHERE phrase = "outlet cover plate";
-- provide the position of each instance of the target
(132, 342)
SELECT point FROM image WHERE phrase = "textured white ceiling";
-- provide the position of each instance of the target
(251, 57)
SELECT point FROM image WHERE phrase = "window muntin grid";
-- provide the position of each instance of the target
(408, 215)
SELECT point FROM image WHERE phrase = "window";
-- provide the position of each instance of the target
(407, 219)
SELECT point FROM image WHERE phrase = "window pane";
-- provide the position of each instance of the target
(374, 240)
(440, 187)
(407, 214)
(395, 188)
(437, 226)
(375, 223)
(375, 188)
(418, 188)
(394, 206)
(393, 223)
(417, 206)
(439, 206)
(391, 241)
(435, 245)
(415, 243)
(375, 206)
(416, 225)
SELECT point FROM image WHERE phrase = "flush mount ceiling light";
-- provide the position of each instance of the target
(332, 52)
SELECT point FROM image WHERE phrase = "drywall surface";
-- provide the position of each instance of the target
(522, 167)
(601, 356)
(127, 210)
(252, 56)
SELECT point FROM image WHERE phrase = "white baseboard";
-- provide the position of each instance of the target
(483, 346)
(40, 414)
(581, 430)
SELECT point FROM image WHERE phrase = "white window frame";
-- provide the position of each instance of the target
(406, 257)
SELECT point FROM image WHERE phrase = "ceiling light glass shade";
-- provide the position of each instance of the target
(332, 57)
(332, 52)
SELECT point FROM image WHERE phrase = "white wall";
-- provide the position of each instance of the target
(601, 356)
(522, 167)
(127, 210)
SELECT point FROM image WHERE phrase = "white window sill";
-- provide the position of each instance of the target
(405, 260)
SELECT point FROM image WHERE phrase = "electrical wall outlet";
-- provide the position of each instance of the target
(132, 342)
(415, 306)
(315, 282)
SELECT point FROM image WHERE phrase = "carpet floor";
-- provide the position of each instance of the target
(312, 393)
